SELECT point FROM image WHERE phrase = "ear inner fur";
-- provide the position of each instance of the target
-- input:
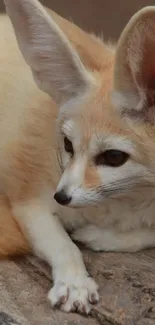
(135, 67)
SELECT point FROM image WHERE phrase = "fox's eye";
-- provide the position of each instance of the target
(68, 146)
(112, 158)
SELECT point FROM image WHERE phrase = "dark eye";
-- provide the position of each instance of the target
(112, 158)
(68, 146)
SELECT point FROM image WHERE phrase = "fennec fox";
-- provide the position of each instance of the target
(77, 143)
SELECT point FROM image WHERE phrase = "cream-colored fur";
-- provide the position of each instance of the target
(73, 85)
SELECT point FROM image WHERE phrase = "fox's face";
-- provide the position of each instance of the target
(105, 99)
(100, 155)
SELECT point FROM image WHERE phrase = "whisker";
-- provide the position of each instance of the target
(123, 186)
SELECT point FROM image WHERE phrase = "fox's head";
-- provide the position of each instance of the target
(105, 98)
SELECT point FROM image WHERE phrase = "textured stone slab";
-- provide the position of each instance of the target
(127, 291)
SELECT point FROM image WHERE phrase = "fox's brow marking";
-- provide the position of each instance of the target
(106, 142)
(68, 127)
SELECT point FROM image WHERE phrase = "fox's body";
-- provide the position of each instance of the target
(107, 208)
(25, 114)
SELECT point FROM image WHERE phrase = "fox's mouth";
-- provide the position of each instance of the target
(70, 202)
(80, 204)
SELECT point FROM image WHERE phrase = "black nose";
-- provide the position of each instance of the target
(62, 198)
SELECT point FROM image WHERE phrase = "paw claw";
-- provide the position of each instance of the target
(94, 298)
(76, 304)
(63, 299)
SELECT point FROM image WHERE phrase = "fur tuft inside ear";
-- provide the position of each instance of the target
(56, 67)
(134, 77)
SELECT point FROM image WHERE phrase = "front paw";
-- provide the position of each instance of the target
(76, 294)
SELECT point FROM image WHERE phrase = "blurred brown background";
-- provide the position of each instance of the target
(100, 16)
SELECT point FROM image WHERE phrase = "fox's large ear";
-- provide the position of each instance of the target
(55, 65)
(134, 78)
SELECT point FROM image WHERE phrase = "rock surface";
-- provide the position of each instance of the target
(126, 282)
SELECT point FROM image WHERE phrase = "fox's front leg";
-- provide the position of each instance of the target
(101, 239)
(73, 288)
